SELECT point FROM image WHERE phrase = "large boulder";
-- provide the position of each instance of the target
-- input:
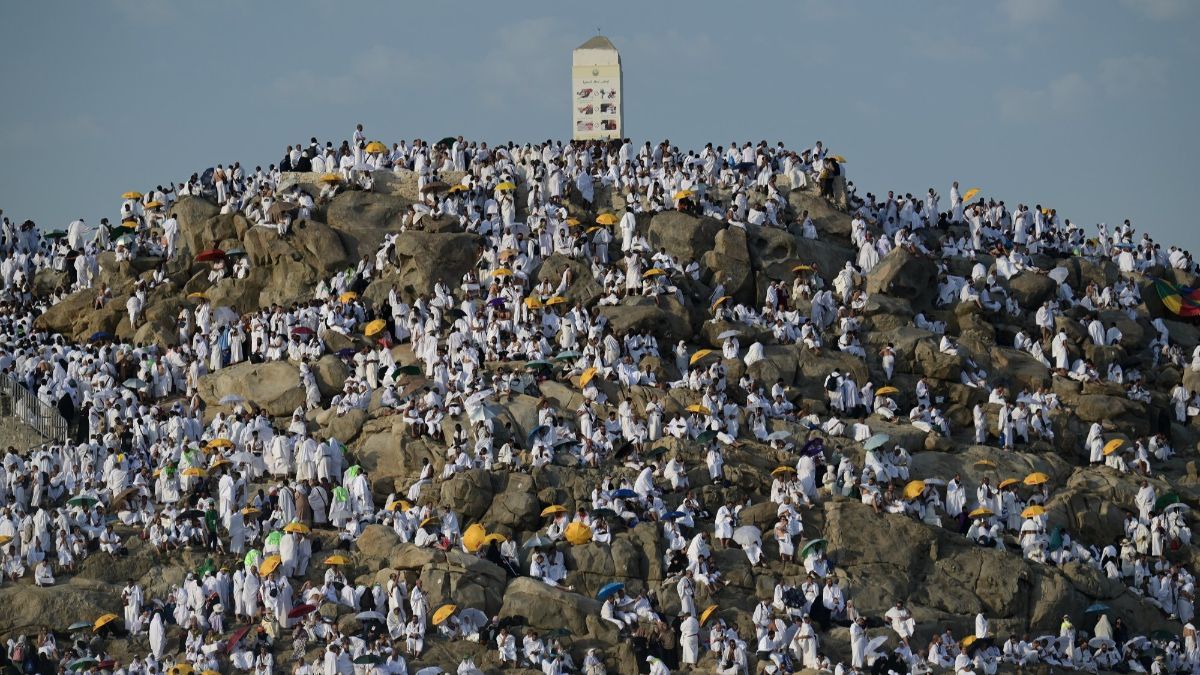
(1031, 289)
(583, 289)
(730, 263)
(364, 218)
(683, 236)
(274, 386)
(422, 260)
(905, 275)
(666, 319)
(827, 218)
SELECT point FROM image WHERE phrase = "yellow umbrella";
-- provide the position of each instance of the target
(577, 533)
(296, 528)
(572, 221)
(337, 560)
(606, 219)
(587, 376)
(684, 194)
(181, 669)
(986, 463)
(444, 612)
(473, 537)
(802, 268)
(556, 300)
(652, 272)
(780, 470)
(154, 204)
(496, 537)
(553, 510)
(209, 672)
(103, 621)
(250, 511)
(1036, 478)
(508, 254)
(375, 327)
(220, 443)
(502, 272)
(720, 300)
(348, 296)
(697, 408)
(429, 521)
(708, 612)
(506, 186)
(1007, 482)
(330, 178)
(884, 391)
(1033, 511)
(839, 159)
(699, 355)
(594, 228)
(197, 296)
(398, 505)
(533, 303)
(1112, 446)
(457, 187)
(194, 471)
(970, 193)
(376, 148)
(914, 489)
(132, 194)
(5, 538)
(981, 513)
(269, 565)
(968, 641)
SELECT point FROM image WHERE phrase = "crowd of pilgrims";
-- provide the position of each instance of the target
(144, 465)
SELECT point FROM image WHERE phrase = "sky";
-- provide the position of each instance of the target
(1082, 106)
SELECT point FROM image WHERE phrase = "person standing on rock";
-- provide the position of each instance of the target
(689, 639)
(858, 643)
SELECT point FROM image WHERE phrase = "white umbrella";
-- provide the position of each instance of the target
(725, 335)
(1177, 506)
(224, 315)
(747, 535)
(1059, 274)
(876, 441)
(1097, 641)
(231, 399)
(875, 644)
(473, 617)
(244, 457)
(779, 435)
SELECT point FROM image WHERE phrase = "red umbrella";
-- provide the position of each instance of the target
(235, 638)
(302, 330)
(210, 255)
(301, 610)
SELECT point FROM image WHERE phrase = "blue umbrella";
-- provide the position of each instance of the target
(673, 515)
(100, 335)
(1098, 607)
(608, 590)
(625, 493)
(876, 441)
(537, 431)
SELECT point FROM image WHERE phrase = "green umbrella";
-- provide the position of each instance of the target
(567, 356)
(539, 364)
(409, 370)
(656, 452)
(57, 234)
(274, 538)
(1165, 501)
(252, 557)
(813, 545)
(367, 659)
(80, 664)
(83, 501)
(706, 437)
(448, 141)
(208, 566)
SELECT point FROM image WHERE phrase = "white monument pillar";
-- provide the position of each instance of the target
(596, 111)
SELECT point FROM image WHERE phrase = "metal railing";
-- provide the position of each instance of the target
(17, 401)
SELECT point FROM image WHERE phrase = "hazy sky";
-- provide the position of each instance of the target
(1081, 106)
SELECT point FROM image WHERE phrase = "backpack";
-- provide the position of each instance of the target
(831, 384)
